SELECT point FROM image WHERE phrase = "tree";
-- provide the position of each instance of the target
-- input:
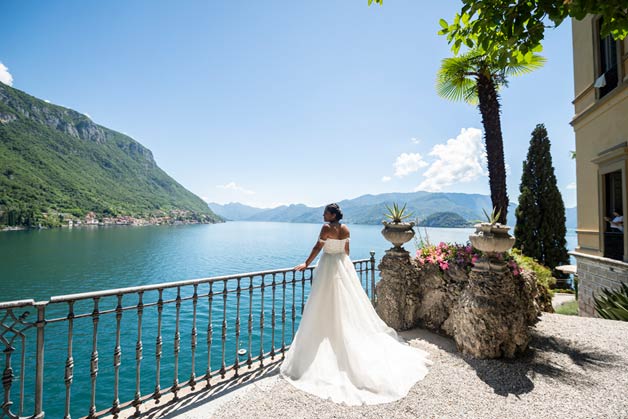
(540, 229)
(474, 78)
(510, 32)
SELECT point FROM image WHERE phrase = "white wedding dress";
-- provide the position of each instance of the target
(342, 350)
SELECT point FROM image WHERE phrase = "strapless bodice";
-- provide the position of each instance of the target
(333, 246)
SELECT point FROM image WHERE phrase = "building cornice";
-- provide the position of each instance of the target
(600, 105)
(618, 263)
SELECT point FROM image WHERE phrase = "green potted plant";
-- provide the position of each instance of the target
(396, 229)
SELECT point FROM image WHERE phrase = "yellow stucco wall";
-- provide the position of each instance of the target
(599, 124)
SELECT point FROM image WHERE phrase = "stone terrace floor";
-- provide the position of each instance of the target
(576, 368)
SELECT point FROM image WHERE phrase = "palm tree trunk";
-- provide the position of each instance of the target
(489, 108)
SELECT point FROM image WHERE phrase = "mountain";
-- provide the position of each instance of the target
(367, 209)
(56, 160)
(234, 210)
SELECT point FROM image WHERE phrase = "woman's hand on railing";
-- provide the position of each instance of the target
(300, 267)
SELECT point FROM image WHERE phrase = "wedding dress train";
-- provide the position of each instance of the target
(342, 350)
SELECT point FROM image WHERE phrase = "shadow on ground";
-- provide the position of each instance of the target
(548, 356)
(191, 401)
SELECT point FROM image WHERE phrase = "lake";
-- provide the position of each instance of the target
(39, 264)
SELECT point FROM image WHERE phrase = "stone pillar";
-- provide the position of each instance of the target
(396, 301)
(493, 315)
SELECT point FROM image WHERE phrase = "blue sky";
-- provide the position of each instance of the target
(276, 102)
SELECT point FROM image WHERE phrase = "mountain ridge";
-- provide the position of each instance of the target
(370, 208)
(56, 160)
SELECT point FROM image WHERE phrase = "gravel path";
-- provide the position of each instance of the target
(576, 368)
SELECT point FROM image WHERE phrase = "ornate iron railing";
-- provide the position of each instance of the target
(243, 319)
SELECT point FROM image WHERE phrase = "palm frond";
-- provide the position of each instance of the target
(455, 80)
(517, 70)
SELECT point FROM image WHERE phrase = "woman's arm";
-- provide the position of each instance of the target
(315, 251)
(347, 247)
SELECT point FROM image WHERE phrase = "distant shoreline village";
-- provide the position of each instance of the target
(91, 219)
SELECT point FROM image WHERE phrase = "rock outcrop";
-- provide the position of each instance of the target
(488, 314)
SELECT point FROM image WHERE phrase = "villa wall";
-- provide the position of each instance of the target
(594, 274)
(601, 131)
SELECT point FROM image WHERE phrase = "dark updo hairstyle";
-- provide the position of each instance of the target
(334, 209)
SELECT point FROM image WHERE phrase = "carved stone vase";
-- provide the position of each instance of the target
(398, 234)
(493, 240)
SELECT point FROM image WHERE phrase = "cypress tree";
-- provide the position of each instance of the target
(540, 229)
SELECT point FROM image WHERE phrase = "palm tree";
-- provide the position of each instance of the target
(473, 78)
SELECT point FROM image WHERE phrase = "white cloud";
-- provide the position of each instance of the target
(5, 76)
(572, 185)
(386, 179)
(408, 163)
(459, 160)
(87, 115)
(232, 186)
(46, 100)
(415, 140)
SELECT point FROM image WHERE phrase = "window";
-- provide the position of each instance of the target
(607, 74)
(613, 209)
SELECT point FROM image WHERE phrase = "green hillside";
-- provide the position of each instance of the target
(56, 160)
(445, 219)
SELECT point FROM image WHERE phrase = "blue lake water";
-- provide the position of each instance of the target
(46, 263)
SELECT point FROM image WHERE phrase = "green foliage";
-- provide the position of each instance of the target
(494, 217)
(543, 274)
(564, 290)
(613, 304)
(457, 78)
(48, 169)
(569, 308)
(540, 229)
(511, 32)
(396, 214)
(444, 219)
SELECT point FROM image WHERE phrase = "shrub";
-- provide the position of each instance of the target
(543, 274)
(613, 304)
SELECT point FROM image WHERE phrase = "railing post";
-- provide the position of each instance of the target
(372, 276)
(39, 366)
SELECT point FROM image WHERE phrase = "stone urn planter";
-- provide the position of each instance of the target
(398, 233)
(492, 239)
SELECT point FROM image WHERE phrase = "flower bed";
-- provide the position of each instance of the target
(463, 255)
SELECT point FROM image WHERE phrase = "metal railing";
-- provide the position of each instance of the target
(243, 318)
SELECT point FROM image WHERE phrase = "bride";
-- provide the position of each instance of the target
(342, 350)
